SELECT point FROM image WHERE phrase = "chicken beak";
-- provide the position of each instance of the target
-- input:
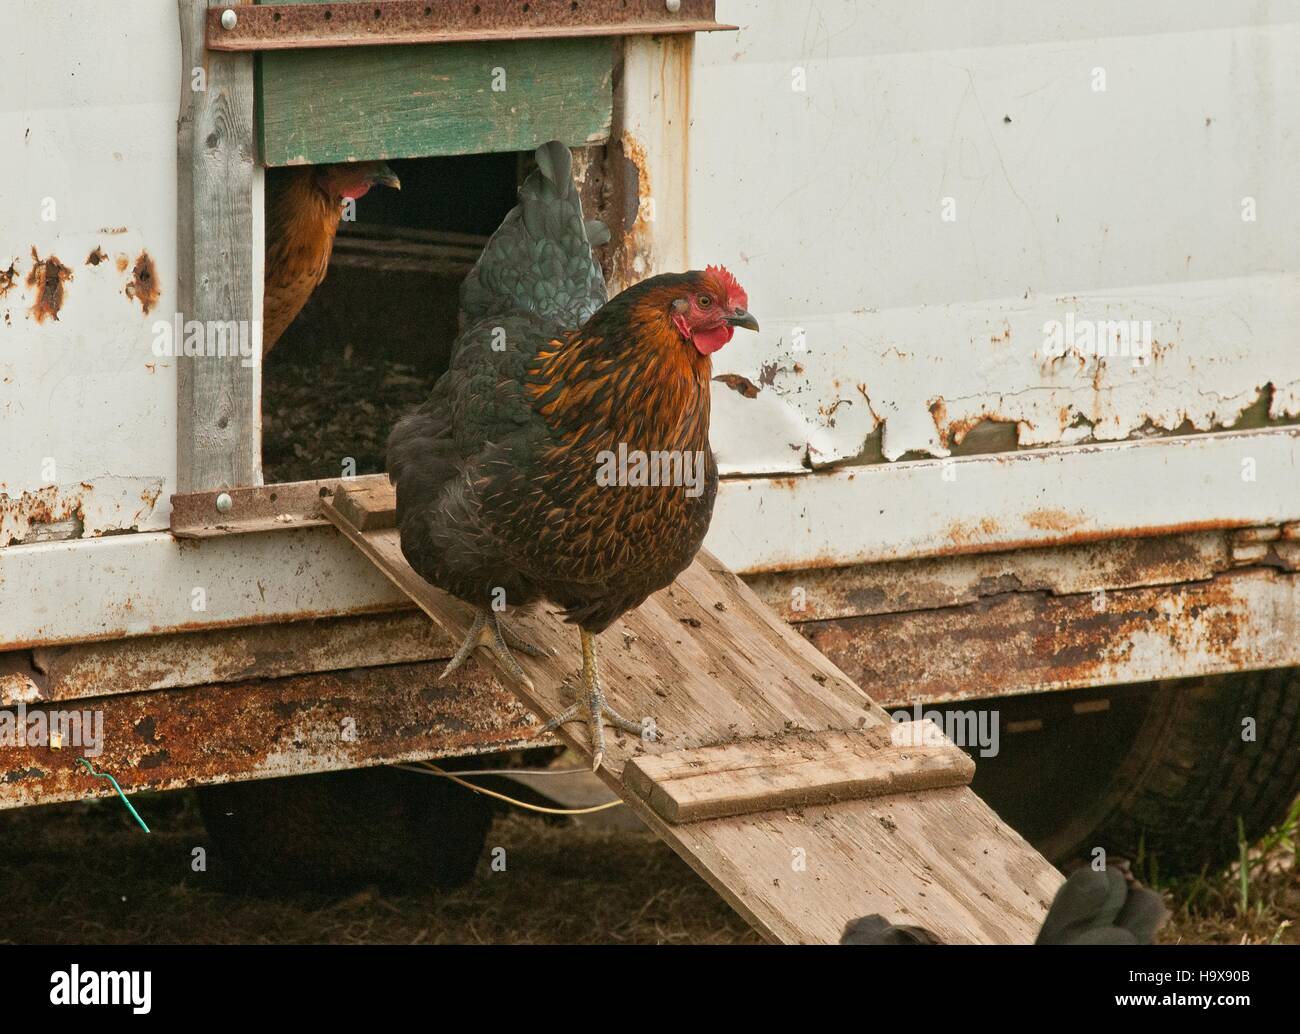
(386, 177)
(741, 318)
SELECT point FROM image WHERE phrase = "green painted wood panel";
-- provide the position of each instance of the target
(357, 103)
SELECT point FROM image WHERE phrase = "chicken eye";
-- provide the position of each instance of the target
(704, 301)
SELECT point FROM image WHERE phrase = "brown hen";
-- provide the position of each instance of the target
(565, 453)
(304, 205)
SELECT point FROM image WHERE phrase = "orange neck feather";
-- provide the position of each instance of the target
(627, 376)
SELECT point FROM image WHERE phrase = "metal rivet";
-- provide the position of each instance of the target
(224, 503)
(228, 18)
(673, 5)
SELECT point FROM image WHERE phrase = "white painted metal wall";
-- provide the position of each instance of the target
(827, 203)
(1117, 203)
(88, 148)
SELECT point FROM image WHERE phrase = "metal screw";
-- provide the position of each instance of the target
(673, 6)
(224, 503)
(228, 18)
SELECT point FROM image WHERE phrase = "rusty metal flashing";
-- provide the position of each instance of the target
(1017, 643)
(389, 22)
(267, 728)
(277, 507)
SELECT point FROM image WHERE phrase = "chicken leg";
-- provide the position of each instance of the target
(487, 631)
(593, 707)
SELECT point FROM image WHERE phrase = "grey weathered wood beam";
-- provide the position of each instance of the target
(218, 397)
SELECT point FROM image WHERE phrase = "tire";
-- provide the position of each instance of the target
(338, 832)
(1162, 774)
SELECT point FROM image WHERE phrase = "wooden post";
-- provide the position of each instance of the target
(218, 426)
(650, 147)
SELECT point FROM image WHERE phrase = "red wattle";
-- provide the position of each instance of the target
(708, 341)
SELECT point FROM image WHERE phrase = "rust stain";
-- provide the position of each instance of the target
(224, 731)
(740, 384)
(122, 263)
(144, 283)
(96, 257)
(8, 278)
(47, 278)
(1053, 520)
(939, 413)
(632, 259)
(20, 514)
(962, 533)
(1031, 641)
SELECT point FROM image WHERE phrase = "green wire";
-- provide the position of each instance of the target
(129, 806)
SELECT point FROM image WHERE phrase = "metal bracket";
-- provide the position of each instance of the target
(387, 22)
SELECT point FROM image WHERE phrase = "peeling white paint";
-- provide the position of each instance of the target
(930, 373)
(1116, 204)
(85, 509)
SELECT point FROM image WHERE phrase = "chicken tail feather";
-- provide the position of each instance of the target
(539, 260)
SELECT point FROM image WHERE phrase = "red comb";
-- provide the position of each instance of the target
(735, 293)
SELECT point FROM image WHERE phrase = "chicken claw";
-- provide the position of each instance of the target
(488, 632)
(594, 708)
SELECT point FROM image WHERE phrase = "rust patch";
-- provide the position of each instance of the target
(1024, 642)
(939, 413)
(24, 514)
(8, 277)
(96, 257)
(740, 384)
(122, 263)
(273, 727)
(631, 258)
(144, 283)
(1053, 520)
(47, 278)
(961, 533)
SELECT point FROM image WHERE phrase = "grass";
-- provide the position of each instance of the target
(85, 873)
(1256, 900)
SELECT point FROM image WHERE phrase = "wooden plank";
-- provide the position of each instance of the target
(796, 770)
(368, 507)
(433, 99)
(218, 437)
(708, 663)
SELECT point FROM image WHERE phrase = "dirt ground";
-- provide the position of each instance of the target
(85, 873)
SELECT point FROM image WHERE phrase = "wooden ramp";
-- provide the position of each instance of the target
(773, 775)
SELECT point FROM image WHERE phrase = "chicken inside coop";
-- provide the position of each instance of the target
(367, 341)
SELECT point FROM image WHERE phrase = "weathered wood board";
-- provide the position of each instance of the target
(711, 664)
(796, 769)
(219, 274)
(356, 103)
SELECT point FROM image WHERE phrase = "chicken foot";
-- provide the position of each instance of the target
(487, 631)
(594, 707)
